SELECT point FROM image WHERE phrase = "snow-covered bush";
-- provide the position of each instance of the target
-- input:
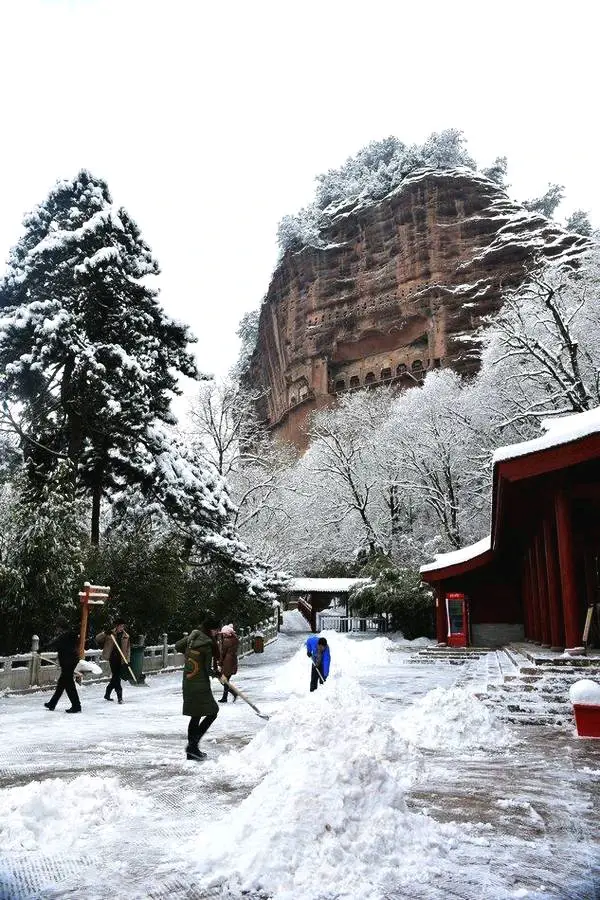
(397, 591)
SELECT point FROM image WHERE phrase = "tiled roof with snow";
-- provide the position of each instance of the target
(559, 431)
(442, 560)
(324, 585)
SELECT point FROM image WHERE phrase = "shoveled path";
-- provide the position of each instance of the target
(541, 802)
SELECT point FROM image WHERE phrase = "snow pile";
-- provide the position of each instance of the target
(330, 813)
(87, 667)
(55, 815)
(585, 691)
(349, 656)
(415, 643)
(451, 719)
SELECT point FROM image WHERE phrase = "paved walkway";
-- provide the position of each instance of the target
(540, 804)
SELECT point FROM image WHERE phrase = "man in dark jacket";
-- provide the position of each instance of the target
(198, 700)
(67, 646)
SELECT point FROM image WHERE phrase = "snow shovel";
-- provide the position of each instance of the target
(322, 680)
(112, 637)
(238, 693)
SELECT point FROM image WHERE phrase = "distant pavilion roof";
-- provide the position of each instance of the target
(324, 585)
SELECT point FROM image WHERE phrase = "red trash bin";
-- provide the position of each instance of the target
(587, 719)
(258, 643)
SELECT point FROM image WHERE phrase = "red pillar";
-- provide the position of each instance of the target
(566, 558)
(526, 602)
(536, 591)
(533, 602)
(313, 614)
(441, 627)
(557, 629)
(540, 562)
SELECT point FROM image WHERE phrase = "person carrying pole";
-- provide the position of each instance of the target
(115, 645)
(67, 646)
(198, 701)
(318, 651)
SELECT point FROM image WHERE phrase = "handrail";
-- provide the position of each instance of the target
(29, 671)
(357, 624)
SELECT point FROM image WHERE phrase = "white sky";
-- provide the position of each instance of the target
(210, 120)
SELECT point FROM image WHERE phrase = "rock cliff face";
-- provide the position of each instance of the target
(400, 288)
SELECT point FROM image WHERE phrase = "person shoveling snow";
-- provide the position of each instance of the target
(318, 651)
(198, 701)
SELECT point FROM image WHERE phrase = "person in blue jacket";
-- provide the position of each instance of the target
(318, 650)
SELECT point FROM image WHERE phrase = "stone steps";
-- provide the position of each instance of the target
(541, 660)
(528, 719)
(451, 655)
(520, 689)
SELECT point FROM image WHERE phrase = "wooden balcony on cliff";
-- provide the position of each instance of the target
(403, 377)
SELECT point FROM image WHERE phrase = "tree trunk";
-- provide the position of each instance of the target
(96, 498)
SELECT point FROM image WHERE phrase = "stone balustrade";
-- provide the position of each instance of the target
(31, 671)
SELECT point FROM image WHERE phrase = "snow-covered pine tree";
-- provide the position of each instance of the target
(88, 355)
(247, 331)
(548, 203)
(497, 171)
(196, 500)
(579, 222)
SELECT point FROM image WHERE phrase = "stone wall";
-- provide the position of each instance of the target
(400, 288)
(496, 635)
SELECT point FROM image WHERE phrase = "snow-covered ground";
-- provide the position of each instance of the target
(392, 781)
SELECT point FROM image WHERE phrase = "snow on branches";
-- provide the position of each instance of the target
(368, 176)
(90, 363)
(545, 342)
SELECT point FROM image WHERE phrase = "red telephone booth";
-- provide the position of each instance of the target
(457, 613)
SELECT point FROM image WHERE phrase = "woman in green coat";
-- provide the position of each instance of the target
(198, 700)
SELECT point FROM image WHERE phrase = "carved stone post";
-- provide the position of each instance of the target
(34, 663)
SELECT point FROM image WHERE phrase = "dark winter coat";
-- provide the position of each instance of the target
(198, 699)
(67, 647)
(229, 651)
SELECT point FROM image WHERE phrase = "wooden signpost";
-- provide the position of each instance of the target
(91, 595)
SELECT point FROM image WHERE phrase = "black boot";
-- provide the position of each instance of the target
(73, 709)
(49, 706)
(193, 752)
(223, 698)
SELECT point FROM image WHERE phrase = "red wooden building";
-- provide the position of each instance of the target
(538, 572)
